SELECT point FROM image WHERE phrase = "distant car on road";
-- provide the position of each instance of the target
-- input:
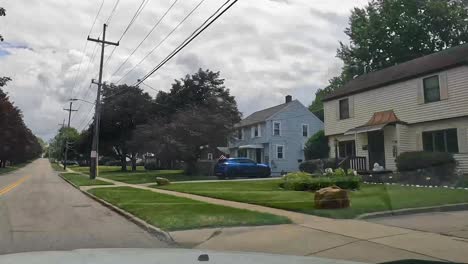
(241, 167)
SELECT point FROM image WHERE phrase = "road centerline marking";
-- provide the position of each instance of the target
(13, 185)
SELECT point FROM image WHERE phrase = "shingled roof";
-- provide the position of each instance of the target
(262, 115)
(445, 59)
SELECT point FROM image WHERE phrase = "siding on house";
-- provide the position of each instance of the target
(291, 117)
(402, 98)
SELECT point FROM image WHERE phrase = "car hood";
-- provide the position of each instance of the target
(155, 256)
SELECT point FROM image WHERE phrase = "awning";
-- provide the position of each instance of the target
(251, 147)
(364, 129)
(377, 122)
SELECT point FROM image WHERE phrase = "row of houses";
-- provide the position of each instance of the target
(421, 104)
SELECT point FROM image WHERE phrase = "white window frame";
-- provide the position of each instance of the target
(241, 134)
(259, 130)
(282, 146)
(210, 156)
(252, 131)
(302, 130)
(273, 126)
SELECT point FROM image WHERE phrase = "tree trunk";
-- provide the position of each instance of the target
(123, 162)
(134, 165)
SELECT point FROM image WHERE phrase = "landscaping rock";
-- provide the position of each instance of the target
(162, 181)
(331, 198)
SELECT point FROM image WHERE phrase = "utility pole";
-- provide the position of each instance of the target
(93, 170)
(69, 110)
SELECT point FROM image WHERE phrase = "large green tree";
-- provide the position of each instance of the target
(388, 32)
(123, 109)
(58, 144)
(197, 111)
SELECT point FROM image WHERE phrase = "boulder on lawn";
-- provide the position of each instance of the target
(162, 181)
(331, 198)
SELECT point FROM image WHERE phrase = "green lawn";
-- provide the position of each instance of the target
(9, 169)
(56, 166)
(175, 213)
(141, 176)
(371, 198)
(81, 180)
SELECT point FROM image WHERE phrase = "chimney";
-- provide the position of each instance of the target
(288, 98)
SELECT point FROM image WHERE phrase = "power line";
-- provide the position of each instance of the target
(85, 46)
(112, 12)
(166, 37)
(147, 35)
(183, 44)
(135, 16)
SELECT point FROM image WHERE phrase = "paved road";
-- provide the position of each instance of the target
(43, 212)
(445, 223)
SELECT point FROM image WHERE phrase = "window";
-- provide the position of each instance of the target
(210, 156)
(240, 134)
(344, 108)
(279, 151)
(305, 130)
(255, 131)
(241, 153)
(441, 141)
(431, 89)
(276, 128)
(346, 149)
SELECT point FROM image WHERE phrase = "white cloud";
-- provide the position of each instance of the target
(264, 49)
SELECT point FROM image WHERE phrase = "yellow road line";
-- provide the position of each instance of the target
(13, 185)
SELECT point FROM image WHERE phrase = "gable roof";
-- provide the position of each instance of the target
(441, 60)
(262, 115)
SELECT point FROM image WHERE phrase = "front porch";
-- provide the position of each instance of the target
(255, 152)
(376, 142)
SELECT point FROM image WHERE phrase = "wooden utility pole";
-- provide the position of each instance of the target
(93, 171)
(69, 110)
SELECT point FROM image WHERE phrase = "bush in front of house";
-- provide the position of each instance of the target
(316, 146)
(302, 181)
(422, 167)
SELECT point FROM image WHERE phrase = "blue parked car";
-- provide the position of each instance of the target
(241, 167)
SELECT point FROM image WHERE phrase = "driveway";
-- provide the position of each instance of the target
(39, 211)
(445, 223)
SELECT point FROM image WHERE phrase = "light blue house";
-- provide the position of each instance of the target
(276, 135)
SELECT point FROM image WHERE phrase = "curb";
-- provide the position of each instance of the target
(158, 233)
(399, 212)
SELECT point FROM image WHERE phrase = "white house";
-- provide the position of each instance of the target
(276, 135)
(421, 104)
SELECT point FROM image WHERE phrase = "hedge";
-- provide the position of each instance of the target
(422, 159)
(316, 165)
(301, 181)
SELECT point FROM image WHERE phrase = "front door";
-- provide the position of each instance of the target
(376, 148)
(258, 155)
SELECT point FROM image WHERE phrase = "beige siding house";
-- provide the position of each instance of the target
(417, 105)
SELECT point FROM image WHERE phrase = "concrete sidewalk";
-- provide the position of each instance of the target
(318, 236)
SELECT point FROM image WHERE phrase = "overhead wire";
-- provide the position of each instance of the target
(182, 45)
(147, 35)
(165, 38)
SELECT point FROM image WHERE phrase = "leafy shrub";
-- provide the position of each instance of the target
(339, 173)
(330, 163)
(310, 166)
(162, 181)
(296, 181)
(430, 168)
(301, 181)
(422, 159)
(316, 146)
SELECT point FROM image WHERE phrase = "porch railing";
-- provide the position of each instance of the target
(358, 164)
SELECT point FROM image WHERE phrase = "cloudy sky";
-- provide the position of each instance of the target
(264, 49)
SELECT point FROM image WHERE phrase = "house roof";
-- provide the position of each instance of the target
(377, 122)
(262, 115)
(441, 60)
